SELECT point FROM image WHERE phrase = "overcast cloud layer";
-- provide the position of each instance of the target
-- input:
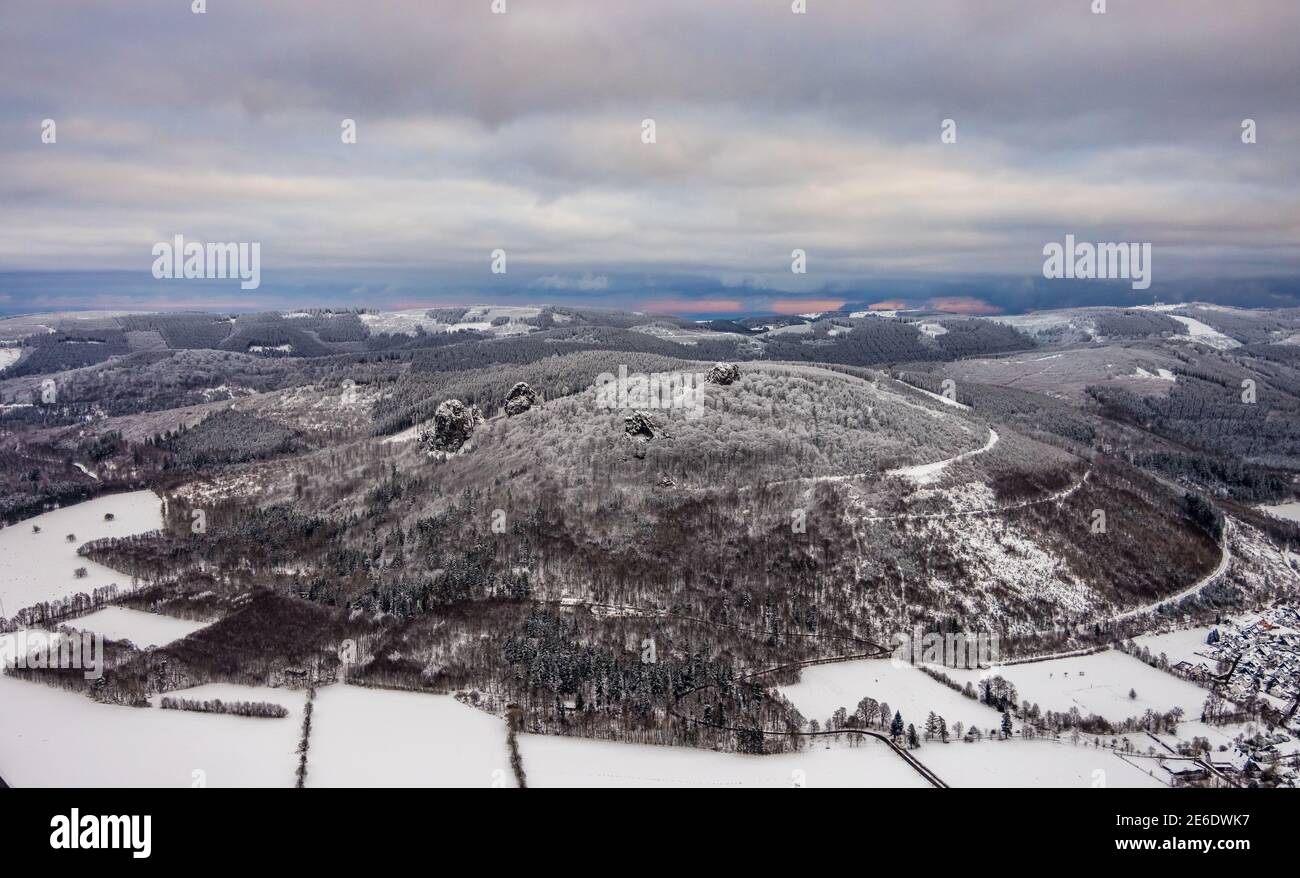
(522, 131)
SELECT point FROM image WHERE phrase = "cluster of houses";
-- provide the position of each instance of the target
(1267, 758)
(1254, 659)
(1257, 658)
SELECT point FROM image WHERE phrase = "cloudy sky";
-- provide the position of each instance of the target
(523, 131)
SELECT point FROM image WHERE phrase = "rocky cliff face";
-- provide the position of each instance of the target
(723, 373)
(453, 424)
(639, 426)
(520, 399)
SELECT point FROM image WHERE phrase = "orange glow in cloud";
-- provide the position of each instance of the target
(693, 306)
(805, 306)
(964, 305)
(888, 305)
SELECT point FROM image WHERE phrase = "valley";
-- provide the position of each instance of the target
(432, 528)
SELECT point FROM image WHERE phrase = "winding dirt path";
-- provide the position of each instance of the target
(926, 473)
(991, 510)
(1213, 576)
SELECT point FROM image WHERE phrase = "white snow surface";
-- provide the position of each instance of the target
(940, 398)
(141, 628)
(1289, 511)
(551, 761)
(1097, 683)
(1206, 335)
(1034, 763)
(381, 737)
(1185, 645)
(823, 688)
(37, 567)
(1160, 374)
(477, 317)
(53, 738)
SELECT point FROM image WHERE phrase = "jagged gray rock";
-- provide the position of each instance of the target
(723, 373)
(453, 424)
(639, 426)
(520, 399)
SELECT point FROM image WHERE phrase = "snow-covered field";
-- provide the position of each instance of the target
(380, 737)
(823, 688)
(488, 313)
(1035, 763)
(792, 329)
(404, 322)
(1177, 646)
(25, 640)
(477, 318)
(37, 567)
(1097, 683)
(1160, 374)
(360, 737)
(53, 738)
(551, 761)
(1289, 511)
(9, 356)
(1206, 335)
(141, 628)
(366, 737)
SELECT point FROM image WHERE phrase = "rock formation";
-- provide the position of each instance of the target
(453, 423)
(520, 399)
(723, 373)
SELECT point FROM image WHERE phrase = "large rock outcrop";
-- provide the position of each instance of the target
(453, 424)
(520, 399)
(723, 373)
(639, 426)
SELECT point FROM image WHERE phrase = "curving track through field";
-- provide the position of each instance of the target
(873, 651)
